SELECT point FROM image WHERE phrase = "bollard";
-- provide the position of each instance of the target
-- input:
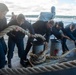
(38, 51)
(38, 47)
(55, 47)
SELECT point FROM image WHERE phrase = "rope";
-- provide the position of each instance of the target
(34, 70)
(39, 57)
(35, 58)
(14, 27)
(38, 61)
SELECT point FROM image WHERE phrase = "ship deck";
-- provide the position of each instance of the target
(16, 59)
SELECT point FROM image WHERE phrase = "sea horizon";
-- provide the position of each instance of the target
(66, 19)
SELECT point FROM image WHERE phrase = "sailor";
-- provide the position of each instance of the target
(45, 16)
(13, 16)
(74, 34)
(56, 30)
(69, 30)
(3, 25)
(65, 33)
(43, 28)
(16, 37)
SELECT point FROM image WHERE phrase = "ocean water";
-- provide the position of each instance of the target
(65, 19)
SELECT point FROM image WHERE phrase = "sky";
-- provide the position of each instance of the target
(63, 7)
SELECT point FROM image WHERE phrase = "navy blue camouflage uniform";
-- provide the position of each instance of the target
(40, 27)
(58, 35)
(17, 38)
(3, 46)
(69, 33)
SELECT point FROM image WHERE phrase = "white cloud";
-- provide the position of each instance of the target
(28, 6)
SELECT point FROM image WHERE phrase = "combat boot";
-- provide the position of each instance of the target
(9, 64)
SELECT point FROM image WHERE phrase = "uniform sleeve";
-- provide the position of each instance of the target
(3, 24)
(12, 22)
(69, 34)
(48, 34)
(31, 30)
(56, 33)
(28, 26)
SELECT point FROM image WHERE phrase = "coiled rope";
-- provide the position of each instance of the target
(38, 58)
(43, 55)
